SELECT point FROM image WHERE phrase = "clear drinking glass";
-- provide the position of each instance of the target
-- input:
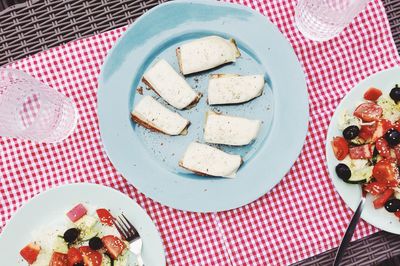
(31, 110)
(321, 20)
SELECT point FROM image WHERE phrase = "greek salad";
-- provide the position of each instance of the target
(85, 237)
(368, 150)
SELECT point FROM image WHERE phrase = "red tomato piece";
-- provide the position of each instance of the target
(361, 152)
(382, 126)
(397, 214)
(366, 132)
(368, 112)
(90, 257)
(375, 188)
(381, 200)
(383, 147)
(372, 94)
(114, 245)
(30, 252)
(59, 259)
(386, 172)
(340, 147)
(74, 256)
(105, 217)
(77, 212)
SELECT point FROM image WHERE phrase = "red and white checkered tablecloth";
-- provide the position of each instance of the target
(302, 216)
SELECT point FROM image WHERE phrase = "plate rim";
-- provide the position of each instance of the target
(297, 65)
(330, 160)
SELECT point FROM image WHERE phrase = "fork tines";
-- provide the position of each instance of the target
(126, 228)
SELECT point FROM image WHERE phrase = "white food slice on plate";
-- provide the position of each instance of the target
(171, 86)
(206, 53)
(203, 159)
(234, 89)
(154, 116)
(230, 130)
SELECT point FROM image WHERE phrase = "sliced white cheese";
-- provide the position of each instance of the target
(230, 130)
(153, 115)
(203, 159)
(206, 53)
(171, 86)
(233, 89)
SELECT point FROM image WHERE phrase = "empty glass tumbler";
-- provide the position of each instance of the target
(321, 20)
(31, 110)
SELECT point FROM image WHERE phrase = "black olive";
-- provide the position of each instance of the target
(79, 264)
(392, 136)
(392, 205)
(95, 243)
(343, 171)
(395, 93)
(351, 132)
(375, 152)
(71, 235)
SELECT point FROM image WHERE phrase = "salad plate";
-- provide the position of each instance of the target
(374, 169)
(45, 210)
(150, 161)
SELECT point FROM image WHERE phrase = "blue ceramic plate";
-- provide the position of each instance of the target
(150, 160)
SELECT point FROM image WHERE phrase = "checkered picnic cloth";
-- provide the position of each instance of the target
(302, 216)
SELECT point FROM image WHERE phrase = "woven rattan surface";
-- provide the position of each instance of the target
(34, 26)
(371, 250)
(393, 12)
(37, 25)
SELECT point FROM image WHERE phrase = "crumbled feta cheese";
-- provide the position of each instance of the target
(391, 110)
(87, 226)
(347, 119)
(86, 221)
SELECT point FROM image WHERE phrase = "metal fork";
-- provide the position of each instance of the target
(130, 234)
(350, 230)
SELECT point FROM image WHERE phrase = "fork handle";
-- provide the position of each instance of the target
(349, 232)
(139, 260)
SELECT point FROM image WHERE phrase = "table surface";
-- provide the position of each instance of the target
(86, 18)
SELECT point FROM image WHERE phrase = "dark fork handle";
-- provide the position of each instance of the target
(349, 232)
